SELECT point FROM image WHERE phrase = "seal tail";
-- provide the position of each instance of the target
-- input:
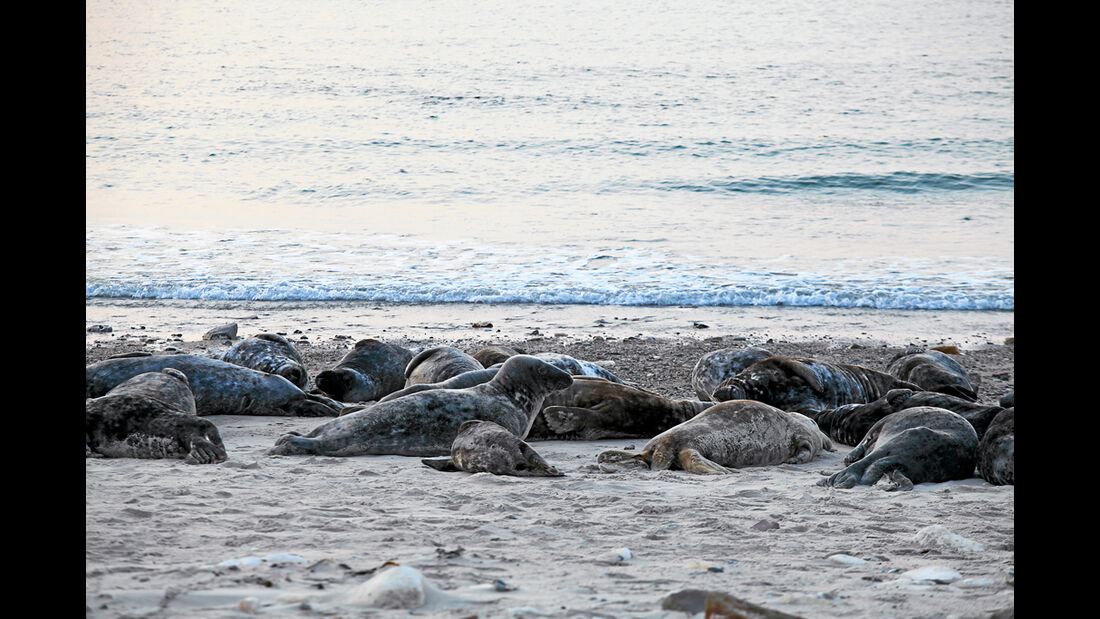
(292, 445)
(440, 464)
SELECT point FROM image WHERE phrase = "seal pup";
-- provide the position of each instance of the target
(807, 386)
(220, 388)
(151, 415)
(719, 365)
(997, 450)
(932, 370)
(915, 446)
(370, 370)
(848, 424)
(426, 423)
(436, 365)
(485, 447)
(271, 353)
(462, 381)
(492, 355)
(735, 434)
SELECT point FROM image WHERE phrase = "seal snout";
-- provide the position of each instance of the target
(729, 391)
(333, 383)
(294, 374)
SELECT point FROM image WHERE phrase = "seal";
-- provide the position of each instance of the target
(370, 370)
(151, 415)
(848, 424)
(578, 367)
(592, 408)
(1008, 400)
(735, 434)
(997, 450)
(807, 386)
(485, 447)
(492, 355)
(915, 446)
(271, 353)
(436, 365)
(220, 388)
(932, 370)
(462, 381)
(720, 365)
(426, 423)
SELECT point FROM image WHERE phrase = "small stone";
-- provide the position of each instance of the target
(224, 332)
(699, 325)
(1002, 375)
(938, 536)
(482, 325)
(844, 559)
(99, 329)
(297, 331)
(249, 605)
(948, 349)
(934, 573)
(1010, 341)
(765, 525)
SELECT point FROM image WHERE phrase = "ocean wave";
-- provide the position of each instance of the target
(900, 182)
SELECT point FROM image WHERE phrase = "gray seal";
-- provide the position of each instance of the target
(426, 423)
(577, 367)
(271, 353)
(485, 447)
(462, 381)
(370, 370)
(735, 434)
(437, 364)
(848, 424)
(808, 386)
(914, 446)
(220, 388)
(492, 355)
(151, 415)
(720, 365)
(1008, 400)
(932, 370)
(997, 450)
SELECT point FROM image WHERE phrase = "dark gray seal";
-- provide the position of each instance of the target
(426, 423)
(914, 446)
(151, 415)
(997, 450)
(485, 447)
(220, 388)
(436, 365)
(733, 434)
(1008, 400)
(932, 370)
(720, 365)
(848, 424)
(370, 370)
(807, 386)
(271, 353)
(492, 355)
(462, 381)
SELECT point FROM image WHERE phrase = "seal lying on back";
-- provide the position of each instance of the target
(220, 388)
(735, 434)
(807, 386)
(436, 365)
(151, 415)
(592, 409)
(997, 450)
(369, 371)
(915, 446)
(271, 353)
(719, 365)
(485, 447)
(848, 424)
(426, 423)
(933, 371)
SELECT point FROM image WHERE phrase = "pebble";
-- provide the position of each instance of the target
(844, 559)
(935, 573)
(482, 325)
(226, 332)
(938, 536)
(765, 525)
(99, 329)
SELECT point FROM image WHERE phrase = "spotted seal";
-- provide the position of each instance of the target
(369, 371)
(485, 447)
(437, 364)
(720, 365)
(848, 424)
(271, 353)
(932, 370)
(997, 450)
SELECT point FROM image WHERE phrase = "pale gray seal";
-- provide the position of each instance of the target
(370, 370)
(915, 446)
(932, 370)
(997, 450)
(151, 415)
(848, 424)
(735, 434)
(485, 447)
(271, 353)
(220, 388)
(426, 423)
(437, 364)
(493, 356)
(808, 386)
(719, 365)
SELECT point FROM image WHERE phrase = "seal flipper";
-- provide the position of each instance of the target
(292, 444)
(537, 467)
(441, 464)
(565, 419)
(311, 408)
(619, 460)
(899, 481)
(693, 462)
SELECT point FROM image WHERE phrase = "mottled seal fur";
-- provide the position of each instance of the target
(492, 355)
(735, 434)
(151, 415)
(370, 370)
(271, 353)
(917, 445)
(808, 386)
(462, 381)
(576, 367)
(426, 423)
(997, 450)
(486, 447)
(220, 388)
(436, 365)
(932, 370)
(848, 424)
(719, 365)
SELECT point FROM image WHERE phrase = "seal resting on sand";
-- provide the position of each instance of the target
(720, 365)
(485, 447)
(932, 370)
(736, 434)
(848, 424)
(997, 450)
(915, 446)
(462, 381)
(436, 365)
(151, 415)
(271, 353)
(369, 371)
(426, 423)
